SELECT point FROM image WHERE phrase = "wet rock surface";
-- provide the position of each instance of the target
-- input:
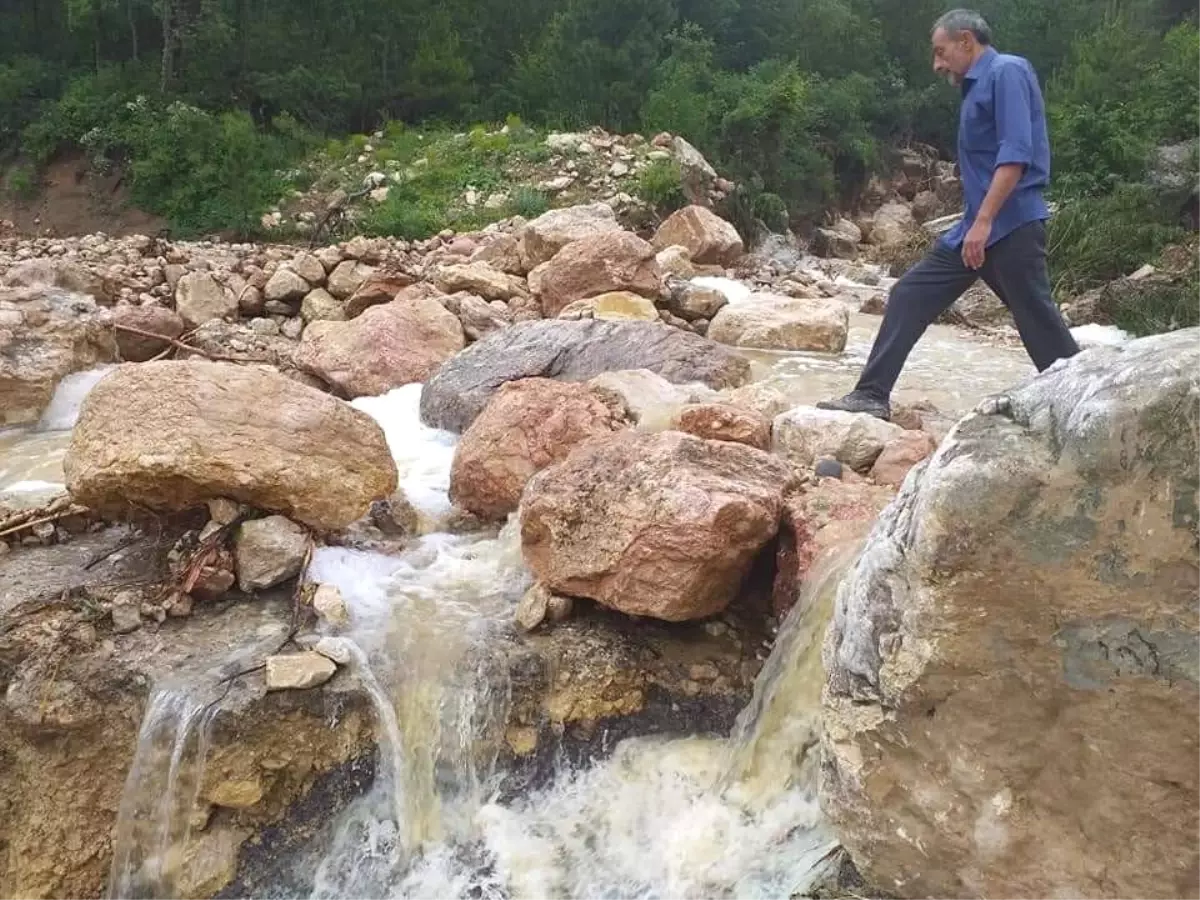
(571, 351)
(1007, 613)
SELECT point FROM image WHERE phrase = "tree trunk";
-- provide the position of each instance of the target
(133, 37)
(168, 45)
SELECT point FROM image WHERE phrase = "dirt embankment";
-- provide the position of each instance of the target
(74, 200)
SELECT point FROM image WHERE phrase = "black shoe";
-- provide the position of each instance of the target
(859, 402)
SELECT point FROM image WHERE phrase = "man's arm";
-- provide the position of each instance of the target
(1014, 131)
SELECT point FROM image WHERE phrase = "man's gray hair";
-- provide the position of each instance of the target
(957, 21)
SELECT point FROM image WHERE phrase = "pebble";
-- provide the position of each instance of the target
(828, 468)
(298, 671)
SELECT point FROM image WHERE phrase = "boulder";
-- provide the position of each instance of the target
(308, 267)
(199, 298)
(387, 346)
(348, 277)
(526, 426)
(268, 551)
(827, 242)
(480, 279)
(501, 252)
(652, 402)
(58, 273)
(377, 289)
(676, 260)
(320, 305)
(663, 525)
(614, 305)
(805, 434)
(819, 520)
(45, 335)
(613, 261)
(1010, 705)
(136, 347)
(571, 351)
(721, 422)
(893, 223)
(285, 286)
(168, 436)
(542, 238)
(708, 238)
(899, 455)
(774, 322)
(691, 301)
(480, 318)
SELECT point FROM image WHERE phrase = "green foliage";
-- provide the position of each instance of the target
(1093, 240)
(528, 202)
(21, 182)
(661, 185)
(24, 81)
(1158, 306)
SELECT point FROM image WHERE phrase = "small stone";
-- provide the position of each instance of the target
(559, 608)
(319, 304)
(277, 308)
(337, 649)
(240, 794)
(532, 609)
(269, 551)
(222, 510)
(179, 604)
(264, 327)
(298, 670)
(213, 583)
(828, 468)
(308, 267)
(126, 617)
(703, 672)
(292, 328)
(330, 607)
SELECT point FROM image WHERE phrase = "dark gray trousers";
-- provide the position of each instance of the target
(1014, 267)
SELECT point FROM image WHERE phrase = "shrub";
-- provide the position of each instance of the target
(21, 182)
(1094, 240)
(528, 202)
(660, 184)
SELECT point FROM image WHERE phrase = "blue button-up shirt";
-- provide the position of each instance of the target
(1003, 121)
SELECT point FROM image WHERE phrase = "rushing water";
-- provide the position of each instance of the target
(659, 818)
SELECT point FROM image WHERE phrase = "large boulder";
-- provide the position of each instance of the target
(613, 261)
(892, 224)
(571, 351)
(774, 322)
(709, 239)
(663, 525)
(167, 436)
(1010, 708)
(387, 346)
(200, 298)
(45, 335)
(526, 426)
(542, 238)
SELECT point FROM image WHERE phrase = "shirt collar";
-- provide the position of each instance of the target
(981, 65)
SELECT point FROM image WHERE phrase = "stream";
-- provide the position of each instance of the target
(659, 818)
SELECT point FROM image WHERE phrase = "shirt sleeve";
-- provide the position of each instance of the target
(1014, 118)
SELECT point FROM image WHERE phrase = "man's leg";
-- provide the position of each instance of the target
(920, 296)
(1015, 268)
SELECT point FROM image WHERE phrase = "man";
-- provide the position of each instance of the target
(1004, 157)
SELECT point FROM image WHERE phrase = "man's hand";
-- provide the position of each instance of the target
(975, 243)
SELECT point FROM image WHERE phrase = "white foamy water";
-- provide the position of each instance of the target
(423, 455)
(735, 291)
(1099, 336)
(63, 411)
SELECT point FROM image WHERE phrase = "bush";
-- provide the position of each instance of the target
(24, 81)
(21, 182)
(1094, 240)
(528, 202)
(1155, 306)
(660, 184)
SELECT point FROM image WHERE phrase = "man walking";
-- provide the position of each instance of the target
(1004, 158)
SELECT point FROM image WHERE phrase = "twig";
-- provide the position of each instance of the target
(54, 517)
(171, 348)
(179, 345)
(126, 541)
(298, 590)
